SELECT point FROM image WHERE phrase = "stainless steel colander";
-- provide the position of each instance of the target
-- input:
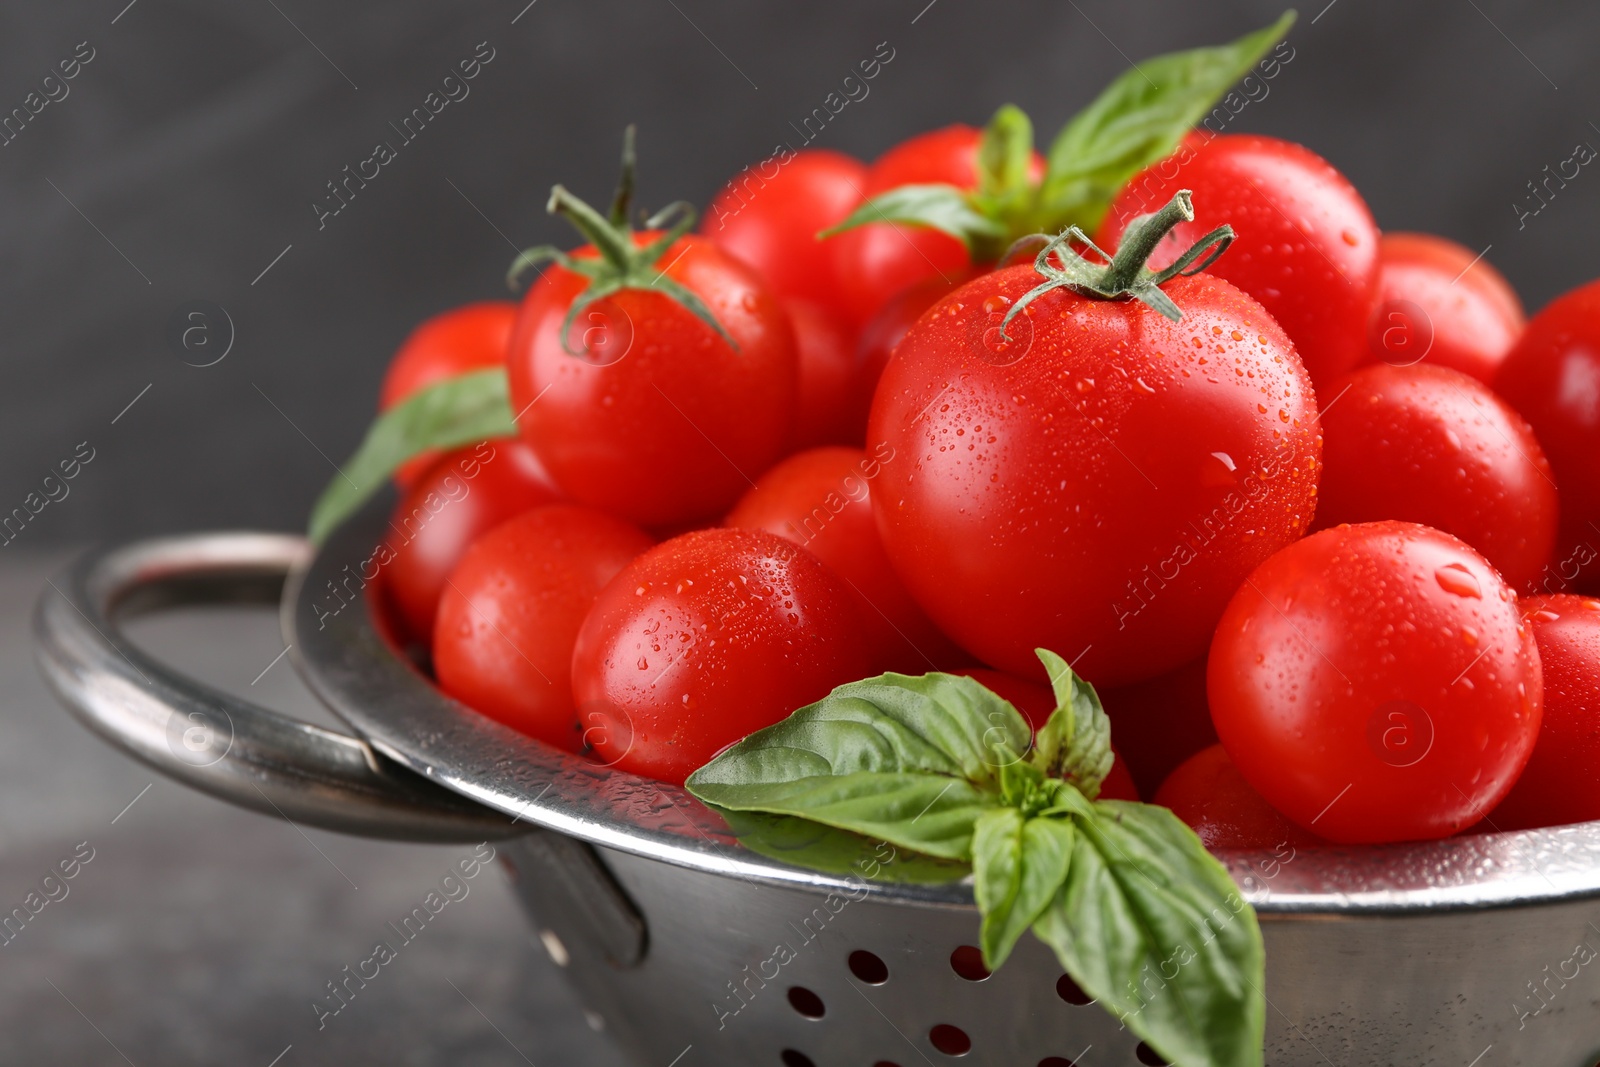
(696, 950)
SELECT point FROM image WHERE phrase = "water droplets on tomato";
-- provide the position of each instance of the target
(1456, 578)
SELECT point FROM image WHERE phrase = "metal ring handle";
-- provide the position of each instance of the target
(230, 748)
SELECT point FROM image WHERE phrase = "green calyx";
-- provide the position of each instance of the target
(622, 263)
(1139, 119)
(1126, 273)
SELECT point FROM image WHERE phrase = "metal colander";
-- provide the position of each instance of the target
(694, 950)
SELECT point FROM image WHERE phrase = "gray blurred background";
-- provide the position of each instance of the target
(189, 151)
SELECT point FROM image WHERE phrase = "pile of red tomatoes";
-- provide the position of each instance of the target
(1322, 543)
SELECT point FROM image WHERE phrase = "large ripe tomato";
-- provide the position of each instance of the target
(662, 421)
(509, 615)
(888, 326)
(704, 639)
(833, 390)
(1442, 303)
(1160, 722)
(1376, 683)
(468, 338)
(1552, 377)
(1099, 483)
(1561, 783)
(464, 494)
(1209, 794)
(822, 500)
(1037, 703)
(1430, 445)
(878, 260)
(769, 216)
(1307, 247)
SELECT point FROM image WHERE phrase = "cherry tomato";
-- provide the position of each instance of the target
(463, 495)
(1037, 703)
(1442, 303)
(878, 260)
(1552, 377)
(834, 392)
(769, 216)
(1208, 792)
(469, 338)
(1160, 722)
(1307, 247)
(1376, 683)
(662, 421)
(509, 615)
(1099, 483)
(822, 500)
(1562, 781)
(1430, 445)
(707, 638)
(884, 331)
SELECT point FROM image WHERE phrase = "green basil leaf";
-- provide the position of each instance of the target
(1018, 865)
(1139, 119)
(1149, 924)
(942, 207)
(912, 761)
(1004, 153)
(804, 843)
(457, 411)
(1075, 742)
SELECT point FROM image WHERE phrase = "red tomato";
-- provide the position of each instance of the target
(1430, 445)
(469, 338)
(1375, 683)
(822, 500)
(771, 220)
(833, 392)
(1562, 781)
(1441, 302)
(1037, 703)
(1160, 722)
(1100, 483)
(463, 495)
(510, 613)
(885, 330)
(1307, 247)
(1552, 377)
(1208, 792)
(876, 261)
(662, 422)
(707, 638)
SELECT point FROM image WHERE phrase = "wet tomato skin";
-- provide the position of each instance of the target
(464, 339)
(1376, 683)
(1307, 246)
(1552, 378)
(1208, 793)
(1561, 784)
(662, 422)
(1433, 446)
(1037, 703)
(1442, 304)
(1098, 484)
(510, 612)
(705, 639)
(463, 495)
(821, 499)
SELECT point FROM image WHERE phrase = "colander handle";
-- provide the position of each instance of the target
(230, 748)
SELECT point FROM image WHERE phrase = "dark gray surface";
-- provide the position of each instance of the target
(202, 934)
(196, 140)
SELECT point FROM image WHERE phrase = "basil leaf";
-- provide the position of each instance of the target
(1075, 742)
(1018, 865)
(457, 411)
(804, 843)
(1004, 153)
(1149, 924)
(912, 761)
(1139, 119)
(942, 207)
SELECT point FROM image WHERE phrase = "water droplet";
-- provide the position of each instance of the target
(1456, 578)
